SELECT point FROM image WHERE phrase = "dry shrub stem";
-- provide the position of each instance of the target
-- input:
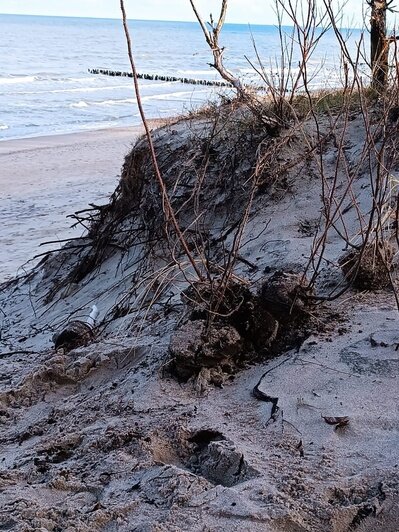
(212, 39)
(168, 209)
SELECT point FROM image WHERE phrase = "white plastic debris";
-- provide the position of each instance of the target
(91, 320)
(77, 332)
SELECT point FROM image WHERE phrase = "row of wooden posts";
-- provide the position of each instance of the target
(157, 77)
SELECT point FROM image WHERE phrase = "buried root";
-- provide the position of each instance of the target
(224, 330)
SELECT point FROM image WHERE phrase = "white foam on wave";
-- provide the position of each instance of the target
(17, 79)
(3, 126)
(82, 79)
(182, 94)
(145, 83)
(76, 89)
(116, 102)
(78, 105)
(164, 96)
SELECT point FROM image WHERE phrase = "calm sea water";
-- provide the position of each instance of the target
(45, 87)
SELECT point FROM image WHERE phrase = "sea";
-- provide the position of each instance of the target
(46, 89)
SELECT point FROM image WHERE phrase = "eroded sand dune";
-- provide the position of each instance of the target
(104, 437)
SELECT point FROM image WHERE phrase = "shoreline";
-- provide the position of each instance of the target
(46, 140)
(44, 179)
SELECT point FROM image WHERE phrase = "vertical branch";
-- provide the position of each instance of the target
(378, 45)
(212, 39)
(168, 209)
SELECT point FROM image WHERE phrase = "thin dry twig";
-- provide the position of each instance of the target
(168, 210)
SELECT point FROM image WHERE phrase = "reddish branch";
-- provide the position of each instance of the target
(168, 209)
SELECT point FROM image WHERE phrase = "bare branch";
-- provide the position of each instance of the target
(168, 209)
(207, 33)
(212, 39)
(222, 17)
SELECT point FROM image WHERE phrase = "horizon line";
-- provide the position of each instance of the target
(155, 20)
(117, 18)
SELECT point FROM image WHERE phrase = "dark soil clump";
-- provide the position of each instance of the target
(195, 346)
(237, 306)
(285, 295)
(229, 327)
(373, 271)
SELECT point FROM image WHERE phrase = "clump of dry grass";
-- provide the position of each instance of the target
(368, 268)
(332, 101)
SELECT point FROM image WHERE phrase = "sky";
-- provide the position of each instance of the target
(239, 11)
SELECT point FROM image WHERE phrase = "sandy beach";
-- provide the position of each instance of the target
(44, 179)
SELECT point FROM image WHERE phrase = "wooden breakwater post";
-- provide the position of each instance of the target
(158, 77)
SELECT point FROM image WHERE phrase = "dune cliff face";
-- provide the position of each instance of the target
(154, 424)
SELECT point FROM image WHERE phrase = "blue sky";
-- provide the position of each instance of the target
(241, 11)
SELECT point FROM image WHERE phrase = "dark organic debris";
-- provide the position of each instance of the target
(339, 422)
(262, 396)
(236, 306)
(301, 449)
(225, 325)
(230, 325)
(195, 346)
(373, 270)
(76, 334)
(285, 294)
